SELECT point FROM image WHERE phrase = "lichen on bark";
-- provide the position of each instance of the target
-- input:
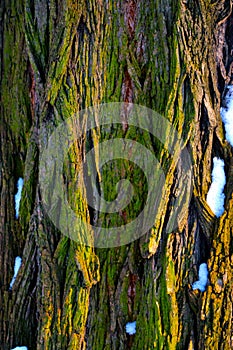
(57, 58)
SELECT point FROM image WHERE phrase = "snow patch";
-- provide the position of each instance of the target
(20, 348)
(227, 114)
(18, 196)
(215, 196)
(131, 328)
(18, 262)
(203, 278)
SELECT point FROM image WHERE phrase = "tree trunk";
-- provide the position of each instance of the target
(60, 57)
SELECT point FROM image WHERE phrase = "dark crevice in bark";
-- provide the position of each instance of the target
(204, 125)
(2, 15)
(229, 55)
(221, 80)
(218, 150)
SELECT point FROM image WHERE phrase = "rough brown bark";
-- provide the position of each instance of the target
(57, 58)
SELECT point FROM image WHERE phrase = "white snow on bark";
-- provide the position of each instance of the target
(203, 278)
(215, 196)
(18, 196)
(227, 114)
(131, 328)
(18, 262)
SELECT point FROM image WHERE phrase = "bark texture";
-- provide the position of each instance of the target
(58, 57)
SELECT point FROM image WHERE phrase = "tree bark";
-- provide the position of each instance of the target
(60, 57)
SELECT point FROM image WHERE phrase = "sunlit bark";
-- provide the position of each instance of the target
(58, 57)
